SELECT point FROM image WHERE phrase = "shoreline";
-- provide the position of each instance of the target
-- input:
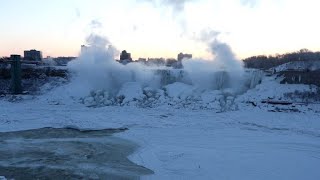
(59, 153)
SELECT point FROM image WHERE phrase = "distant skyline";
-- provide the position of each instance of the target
(159, 28)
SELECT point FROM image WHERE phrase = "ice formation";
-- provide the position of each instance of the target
(98, 80)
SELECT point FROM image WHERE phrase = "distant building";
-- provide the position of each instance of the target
(125, 57)
(33, 55)
(171, 62)
(182, 56)
(142, 60)
(156, 61)
(63, 61)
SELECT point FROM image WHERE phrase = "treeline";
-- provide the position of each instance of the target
(4, 58)
(266, 62)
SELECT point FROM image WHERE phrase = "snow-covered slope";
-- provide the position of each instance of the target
(250, 143)
(298, 65)
(182, 136)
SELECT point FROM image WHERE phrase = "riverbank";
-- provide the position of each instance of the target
(67, 153)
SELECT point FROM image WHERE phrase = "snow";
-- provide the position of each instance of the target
(131, 91)
(298, 65)
(184, 143)
(271, 88)
(178, 90)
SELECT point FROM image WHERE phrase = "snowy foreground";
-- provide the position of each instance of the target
(181, 143)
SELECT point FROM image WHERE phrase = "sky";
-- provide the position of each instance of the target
(159, 28)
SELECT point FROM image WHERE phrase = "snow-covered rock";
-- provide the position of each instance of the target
(131, 91)
(178, 90)
(211, 96)
(149, 92)
(89, 101)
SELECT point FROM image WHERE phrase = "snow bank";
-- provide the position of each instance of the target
(131, 91)
(178, 90)
(298, 66)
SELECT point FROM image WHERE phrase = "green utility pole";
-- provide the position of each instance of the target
(16, 86)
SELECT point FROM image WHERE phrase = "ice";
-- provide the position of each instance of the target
(250, 143)
(178, 90)
(131, 91)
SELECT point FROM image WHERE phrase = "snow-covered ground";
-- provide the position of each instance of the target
(298, 65)
(184, 143)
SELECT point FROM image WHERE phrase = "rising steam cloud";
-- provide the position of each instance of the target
(177, 8)
(223, 71)
(96, 68)
(99, 80)
(177, 5)
(250, 3)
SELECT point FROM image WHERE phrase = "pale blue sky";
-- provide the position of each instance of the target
(157, 28)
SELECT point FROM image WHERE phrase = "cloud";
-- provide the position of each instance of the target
(176, 5)
(95, 24)
(208, 35)
(250, 3)
(177, 8)
(77, 11)
(95, 40)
